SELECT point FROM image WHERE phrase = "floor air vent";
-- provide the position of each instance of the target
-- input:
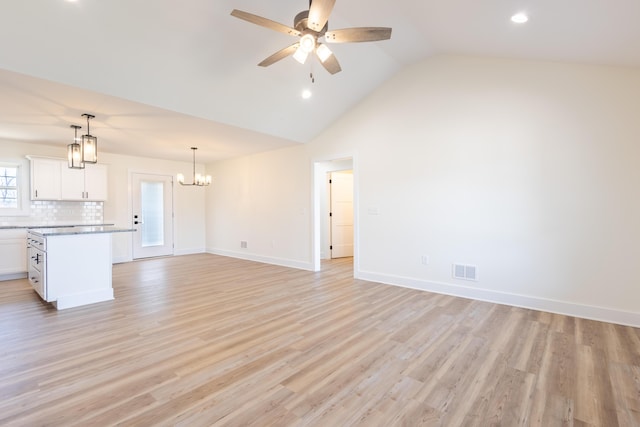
(465, 272)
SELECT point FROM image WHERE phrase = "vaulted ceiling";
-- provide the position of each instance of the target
(162, 76)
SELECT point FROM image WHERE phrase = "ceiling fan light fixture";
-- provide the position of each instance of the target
(323, 52)
(307, 43)
(300, 55)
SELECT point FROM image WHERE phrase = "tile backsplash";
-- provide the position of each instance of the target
(58, 213)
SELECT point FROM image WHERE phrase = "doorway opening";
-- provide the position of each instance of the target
(335, 217)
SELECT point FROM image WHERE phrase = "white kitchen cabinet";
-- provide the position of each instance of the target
(71, 184)
(85, 184)
(45, 179)
(13, 254)
(95, 182)
(52, 179)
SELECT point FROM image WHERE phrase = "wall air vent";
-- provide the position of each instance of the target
(465, 272)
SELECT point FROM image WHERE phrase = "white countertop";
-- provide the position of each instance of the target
(22, 226)
(89, 229)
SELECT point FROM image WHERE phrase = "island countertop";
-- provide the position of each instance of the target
(90, 229)
(4, 226)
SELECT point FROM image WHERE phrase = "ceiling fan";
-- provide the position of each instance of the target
(310, 26)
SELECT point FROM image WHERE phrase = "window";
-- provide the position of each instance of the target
(14, 187)
(9, 187)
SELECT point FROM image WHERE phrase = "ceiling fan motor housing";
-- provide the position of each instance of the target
(301, 23)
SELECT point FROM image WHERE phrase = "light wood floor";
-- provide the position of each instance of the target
(205, 340)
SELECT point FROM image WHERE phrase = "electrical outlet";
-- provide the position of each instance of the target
(424, 260)
(243, 244)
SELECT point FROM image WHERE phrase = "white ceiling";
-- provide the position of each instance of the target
(162, 76)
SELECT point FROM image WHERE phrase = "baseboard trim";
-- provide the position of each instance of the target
(263, 259)
(83, 298)
(191, 251)
(602, 314)
(13, 276)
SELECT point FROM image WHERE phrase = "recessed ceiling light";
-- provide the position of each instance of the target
(306, 94)
(519, 18)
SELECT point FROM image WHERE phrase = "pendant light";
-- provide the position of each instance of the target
(74, 151)
(199, 180)
(89, 144)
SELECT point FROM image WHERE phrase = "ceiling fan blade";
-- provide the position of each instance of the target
(319, 12)
(362, 34)
(264, 22)
(331, 65)
(281, 54)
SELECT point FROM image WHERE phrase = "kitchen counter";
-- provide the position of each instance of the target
(87, 229)
(26, 226)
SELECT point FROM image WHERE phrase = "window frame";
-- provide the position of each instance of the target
(22, 187)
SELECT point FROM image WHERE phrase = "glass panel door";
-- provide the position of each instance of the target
(152, 215)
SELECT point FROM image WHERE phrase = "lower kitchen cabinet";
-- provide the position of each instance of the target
(13, 254)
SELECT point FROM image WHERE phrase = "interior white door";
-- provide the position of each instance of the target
(152, 215)
(341, 214)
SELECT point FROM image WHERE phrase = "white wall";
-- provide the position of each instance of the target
(263, 200)
(189, 202)
(527, 170)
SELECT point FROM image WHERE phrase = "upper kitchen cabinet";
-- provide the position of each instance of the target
(45, 178)
(51, 179)
(88, 184)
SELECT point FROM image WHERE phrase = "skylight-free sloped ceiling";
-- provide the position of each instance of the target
(166, 65)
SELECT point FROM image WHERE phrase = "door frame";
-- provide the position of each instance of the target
(130, 174)
(320, 168)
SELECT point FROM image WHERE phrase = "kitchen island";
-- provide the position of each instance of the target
(13, 247)
(71, 266)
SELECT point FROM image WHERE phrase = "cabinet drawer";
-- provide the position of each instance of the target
(37, 282)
